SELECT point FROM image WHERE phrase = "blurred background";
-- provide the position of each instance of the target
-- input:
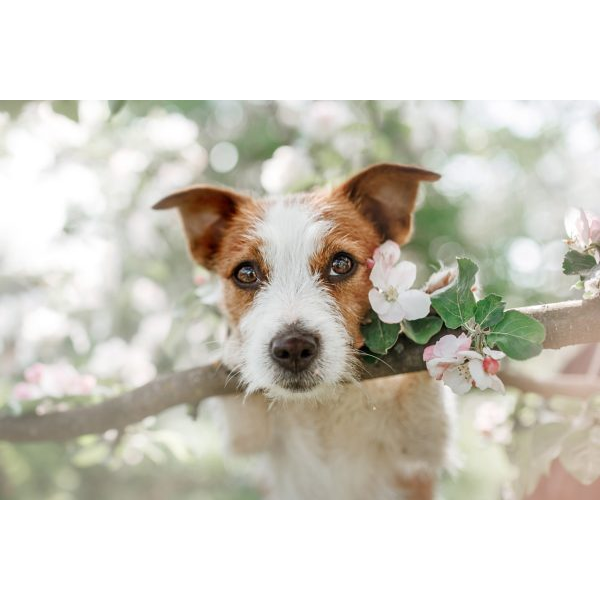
(97, 294)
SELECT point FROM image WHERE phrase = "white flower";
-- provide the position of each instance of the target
(583, 229)
(323, 119)
(391, 298)
(288, 168)
(591, 287)
(452, 361)
(385, 258)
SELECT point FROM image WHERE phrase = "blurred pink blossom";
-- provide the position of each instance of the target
(33, 374)
(25, 391)
(491, 420)
(56, 381)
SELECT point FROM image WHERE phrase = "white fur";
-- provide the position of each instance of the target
(361, 443)
(290, 234)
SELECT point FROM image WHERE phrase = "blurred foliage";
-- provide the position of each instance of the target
(90, 276)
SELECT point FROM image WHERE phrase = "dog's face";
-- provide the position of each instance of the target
(295, 272)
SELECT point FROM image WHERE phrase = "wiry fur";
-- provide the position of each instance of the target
(337, 438)
(290, 234)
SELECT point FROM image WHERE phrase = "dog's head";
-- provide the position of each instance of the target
(294, 271)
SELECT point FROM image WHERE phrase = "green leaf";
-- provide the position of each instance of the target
(13, 107)
(379, 337)
(421, 330)
(576, 263)
(67, 108)
(115, 106)
(456, 304)
(370, 359)
(489, 311)
(519, 336)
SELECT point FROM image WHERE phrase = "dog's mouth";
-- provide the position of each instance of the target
(298, 382)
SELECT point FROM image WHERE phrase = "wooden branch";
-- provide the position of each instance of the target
(572, 386)
(566, 323)
(183, 387)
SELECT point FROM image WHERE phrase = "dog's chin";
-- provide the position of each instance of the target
(302, 388)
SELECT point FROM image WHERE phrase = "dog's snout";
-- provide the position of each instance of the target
(294, 351)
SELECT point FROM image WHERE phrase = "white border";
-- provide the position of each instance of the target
(309, 49)
(378, 550)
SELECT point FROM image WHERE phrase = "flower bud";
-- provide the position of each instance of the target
(491, 365)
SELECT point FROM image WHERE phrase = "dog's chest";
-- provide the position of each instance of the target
(374, 441)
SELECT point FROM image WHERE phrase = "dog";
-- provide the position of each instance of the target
(295, 280)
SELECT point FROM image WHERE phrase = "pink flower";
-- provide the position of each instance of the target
(583, 229)
(55, 381)
(452, 361)
(34, 373)
(25, 391)
(391, 297)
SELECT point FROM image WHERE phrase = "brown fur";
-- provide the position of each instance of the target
(356, 235)
(238, 245)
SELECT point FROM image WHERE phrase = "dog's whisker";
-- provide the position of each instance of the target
(377, 358)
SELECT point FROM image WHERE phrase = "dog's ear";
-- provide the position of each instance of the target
(386, 195)
(205, 212)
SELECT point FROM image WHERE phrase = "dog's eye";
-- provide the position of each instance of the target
(246, 275)
(342, 265)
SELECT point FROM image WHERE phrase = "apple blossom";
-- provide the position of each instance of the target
(25, 391)
(591, 287)
(583, 229)
(452, 361)
(56, 381)
(391, 298)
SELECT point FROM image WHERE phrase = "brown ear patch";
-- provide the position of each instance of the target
(206, 213)
(386, 195)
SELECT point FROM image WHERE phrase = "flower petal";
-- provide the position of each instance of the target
(378, 302)
(436, 368)
(576, 225)
(469, 354)
(394, 313)
(428, 353)
(594, 224)
(464, 342)
(388, 254)
(496, 384)
(403, 275)
(447, 346)
(379, 276)
(480, 377)
(456, 382)
(415, 304)
(494, 353)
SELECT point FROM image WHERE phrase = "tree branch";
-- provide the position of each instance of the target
(566, 323)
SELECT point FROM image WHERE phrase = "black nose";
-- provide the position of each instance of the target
(294, 351)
